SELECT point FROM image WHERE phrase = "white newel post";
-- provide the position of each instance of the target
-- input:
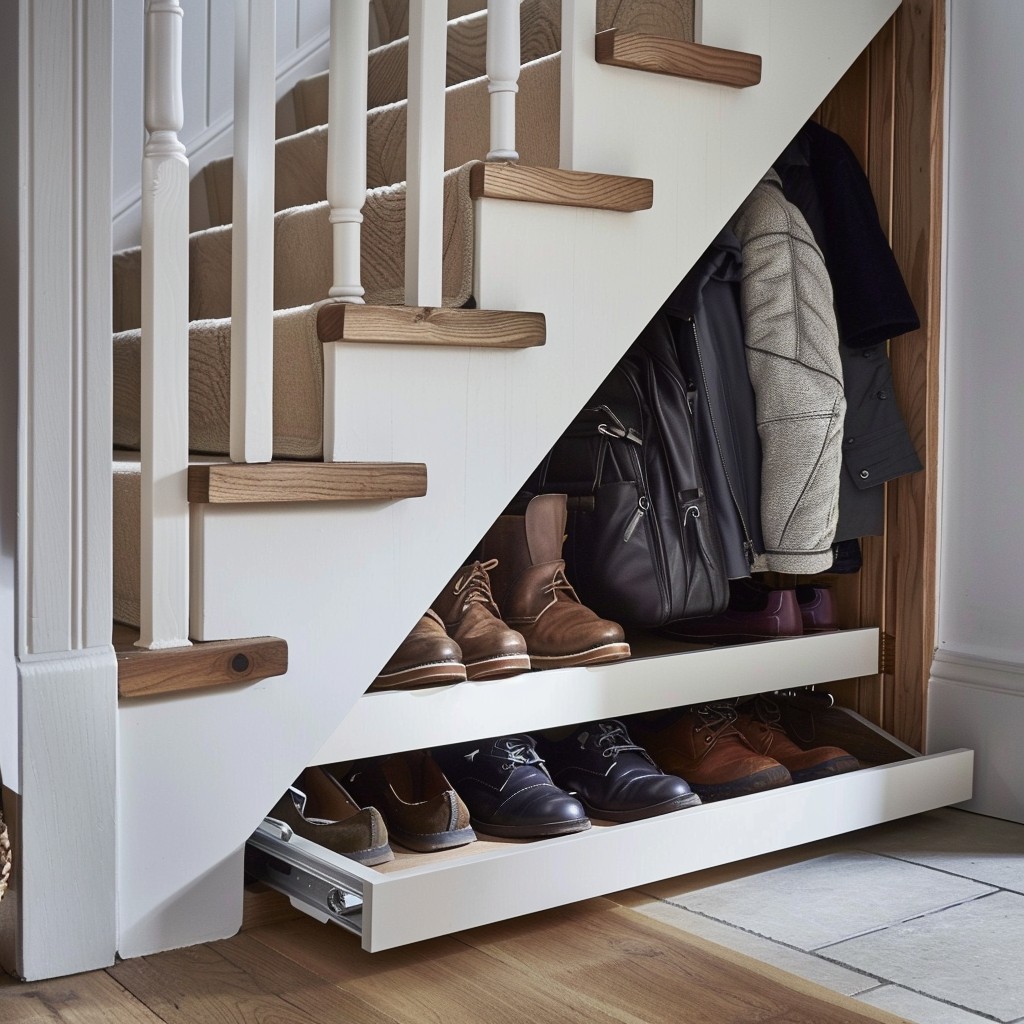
(164, 433)
(503, 76)
(252, 265)
(346, 141)
(428, 42)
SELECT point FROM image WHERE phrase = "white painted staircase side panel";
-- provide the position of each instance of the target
(343, 585)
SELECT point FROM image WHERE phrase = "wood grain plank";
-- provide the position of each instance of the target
(413, 325)
(204, 985)
(560, 188)
(442, 979)
(143, 673)
(664, 56)
(233, 483)
(641, 970)
(92, 998)
(916, 239)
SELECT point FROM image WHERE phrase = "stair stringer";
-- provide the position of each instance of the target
(344, 585)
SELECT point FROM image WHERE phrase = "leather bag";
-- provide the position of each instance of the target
(642, 547)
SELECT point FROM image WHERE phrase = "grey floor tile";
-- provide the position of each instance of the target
(804, 965)
(971, 845)
(970, 955)
(918, 1008)
(830, 898)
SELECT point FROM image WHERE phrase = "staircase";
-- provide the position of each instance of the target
(343, 581)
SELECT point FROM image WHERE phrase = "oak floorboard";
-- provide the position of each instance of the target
(236, 982)
(642, 971)
(440, 980)
(93, 998)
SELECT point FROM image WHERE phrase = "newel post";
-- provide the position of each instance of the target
(164, 589)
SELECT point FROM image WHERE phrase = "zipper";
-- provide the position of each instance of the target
(634, 520)
(748, 543)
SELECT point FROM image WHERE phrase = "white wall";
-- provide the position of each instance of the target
(208, 34)
(977, 690)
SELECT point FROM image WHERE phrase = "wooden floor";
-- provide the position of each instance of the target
(592, 962)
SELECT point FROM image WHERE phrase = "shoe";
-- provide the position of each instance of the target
(490, 649)
(426, 657)
(760, 724)
(317, 808)
(613, 777)
(418, 804)
(755, 612)
(535, 597)
(507, 789)
(817, 609)
(703, 746)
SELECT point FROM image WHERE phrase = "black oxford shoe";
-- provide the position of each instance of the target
(614, 778)
(507, 789)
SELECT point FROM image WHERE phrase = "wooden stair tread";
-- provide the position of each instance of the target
(666, 56)
(424, 325)
(560, 188)
(239, 482)
(145, 673)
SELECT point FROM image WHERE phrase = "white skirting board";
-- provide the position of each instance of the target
(422, 896)
(978, 702)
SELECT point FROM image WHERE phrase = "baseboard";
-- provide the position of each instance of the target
(979, 703)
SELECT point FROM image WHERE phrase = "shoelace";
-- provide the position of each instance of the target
(517, 750)
(558, 584)
(475, 585)
(716, 718)
(614, 740)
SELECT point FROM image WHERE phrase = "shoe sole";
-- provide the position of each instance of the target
(496, 668)
(370, 858)
(678, 804)
(769, 778)
(540, 830)
(432, 843)
(421, 675)
(836, 766)
(594, 656)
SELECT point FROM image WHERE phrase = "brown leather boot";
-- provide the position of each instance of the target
(426, 657)
(761, 725)
(490, 648)
(703, 746)
(534, 596)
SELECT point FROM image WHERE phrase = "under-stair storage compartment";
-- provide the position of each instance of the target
(417, 896)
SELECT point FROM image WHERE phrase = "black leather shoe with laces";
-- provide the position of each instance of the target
(613, 777)
(507, 789)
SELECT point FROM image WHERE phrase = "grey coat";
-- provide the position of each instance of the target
(793, 359)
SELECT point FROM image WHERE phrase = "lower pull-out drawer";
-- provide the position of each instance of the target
(419, 896)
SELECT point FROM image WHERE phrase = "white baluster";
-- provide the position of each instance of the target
(428, 41)
(503, 76)
(579, 25)
(346, 141)
(252, 266)
(164, 426)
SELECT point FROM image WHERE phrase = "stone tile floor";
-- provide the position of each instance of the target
(923, 917)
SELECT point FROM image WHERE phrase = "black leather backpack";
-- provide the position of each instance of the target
(642, 547)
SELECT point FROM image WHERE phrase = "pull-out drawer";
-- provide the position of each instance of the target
(418, 896)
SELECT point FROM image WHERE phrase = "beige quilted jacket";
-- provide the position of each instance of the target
(793, 358)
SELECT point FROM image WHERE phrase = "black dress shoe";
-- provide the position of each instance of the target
(507, 789)
(613, 778)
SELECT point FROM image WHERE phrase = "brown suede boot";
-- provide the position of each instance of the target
(760, 723)
(490, 648)
(703, 746)
(426, 657)
(534, 596)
